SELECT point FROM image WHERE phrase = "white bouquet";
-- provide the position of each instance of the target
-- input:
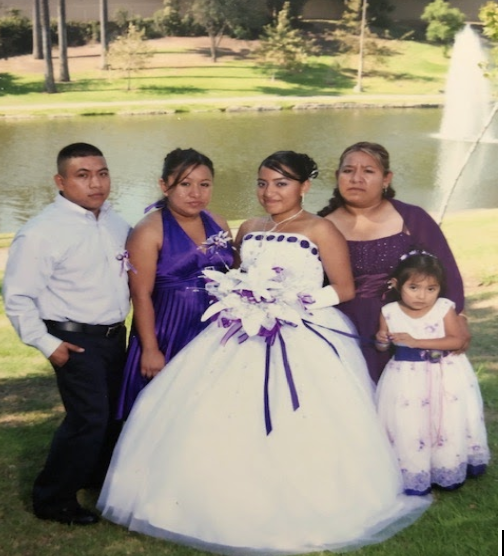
(259, 300)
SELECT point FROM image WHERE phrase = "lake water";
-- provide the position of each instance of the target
(424, 166)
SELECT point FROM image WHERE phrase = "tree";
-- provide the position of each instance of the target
(169, 20)
(362, 37)
(283, 47)
(37, 31)
(378, 13)
(217, 16)
(62, 41)
(50, 86)
(443, 22)
(104, 32)
(489, 16)
(353, 36)
(275, 6)
(129, 53)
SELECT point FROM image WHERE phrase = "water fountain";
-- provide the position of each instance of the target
(467, 115)
(468, 95)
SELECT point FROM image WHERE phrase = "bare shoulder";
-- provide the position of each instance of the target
(251, 225)
(323, 227)
(150, 227)
(220, 220)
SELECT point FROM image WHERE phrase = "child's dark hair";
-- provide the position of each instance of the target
(418, 263)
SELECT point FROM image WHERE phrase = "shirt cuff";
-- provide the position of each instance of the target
(48, 344)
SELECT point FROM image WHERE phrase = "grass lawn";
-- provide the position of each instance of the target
(461, 523)
(411, 69)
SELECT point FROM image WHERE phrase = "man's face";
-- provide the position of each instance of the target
(85, 181)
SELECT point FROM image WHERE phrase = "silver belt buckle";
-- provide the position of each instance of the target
(111, 329)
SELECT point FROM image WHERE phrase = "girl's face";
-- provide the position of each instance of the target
(193, 192)
(361, 179)
(278, 194)
(420, 292)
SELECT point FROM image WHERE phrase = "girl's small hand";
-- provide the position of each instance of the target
(403, 339)
(382, 340)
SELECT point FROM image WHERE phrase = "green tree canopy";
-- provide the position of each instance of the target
(129, 53)
(489, 16)
(443, 22)
(283, 47)
(217, 16)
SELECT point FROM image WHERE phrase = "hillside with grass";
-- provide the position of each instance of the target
(180, 76)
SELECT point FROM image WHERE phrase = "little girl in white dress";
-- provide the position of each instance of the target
(428, 396)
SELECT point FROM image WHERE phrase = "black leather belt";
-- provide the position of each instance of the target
(106, 330)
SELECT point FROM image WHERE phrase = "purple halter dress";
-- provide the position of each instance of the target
(179, 299)
(372, 262)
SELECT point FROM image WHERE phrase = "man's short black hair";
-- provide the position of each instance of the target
(75, 150)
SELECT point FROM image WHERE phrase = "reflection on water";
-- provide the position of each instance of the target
(135, 147)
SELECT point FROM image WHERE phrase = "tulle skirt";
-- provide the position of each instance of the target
(240, 447)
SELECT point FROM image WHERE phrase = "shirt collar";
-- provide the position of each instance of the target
(65, 204)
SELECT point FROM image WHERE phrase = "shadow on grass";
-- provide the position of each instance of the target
(242, 54)
(391, 76)
(315, 79)
(25, 438)
(11, 85)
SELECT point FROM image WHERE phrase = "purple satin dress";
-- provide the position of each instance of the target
(372, 262)
(179, 299)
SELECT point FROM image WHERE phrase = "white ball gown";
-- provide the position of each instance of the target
(261, 436)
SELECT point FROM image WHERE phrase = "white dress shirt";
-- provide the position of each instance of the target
(66, 265)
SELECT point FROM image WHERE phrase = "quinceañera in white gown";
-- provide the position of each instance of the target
(261, 436)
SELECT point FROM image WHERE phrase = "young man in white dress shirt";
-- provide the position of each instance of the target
(66, 294)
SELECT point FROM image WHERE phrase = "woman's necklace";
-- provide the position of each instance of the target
(277, 224)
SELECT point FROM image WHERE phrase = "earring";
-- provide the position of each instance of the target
(302, 199)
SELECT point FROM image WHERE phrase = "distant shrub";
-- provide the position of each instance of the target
(15, 34)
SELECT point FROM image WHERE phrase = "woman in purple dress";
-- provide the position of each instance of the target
(168, 251)
(379, 229)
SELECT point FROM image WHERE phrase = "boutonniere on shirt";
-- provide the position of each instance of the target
(123, 258)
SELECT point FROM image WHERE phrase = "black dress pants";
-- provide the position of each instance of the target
(89, 385)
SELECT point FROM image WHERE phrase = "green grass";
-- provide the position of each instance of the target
(411, 69)
(462, 523)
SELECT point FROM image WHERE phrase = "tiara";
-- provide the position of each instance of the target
(416, 252)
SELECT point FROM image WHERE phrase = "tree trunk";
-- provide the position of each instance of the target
(213, 47)
(358, 86)
(103, 33)
(62, 39)
(37, 31)
(50, 86)
(215, 39)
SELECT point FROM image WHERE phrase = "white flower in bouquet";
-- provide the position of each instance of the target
(260, 299)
